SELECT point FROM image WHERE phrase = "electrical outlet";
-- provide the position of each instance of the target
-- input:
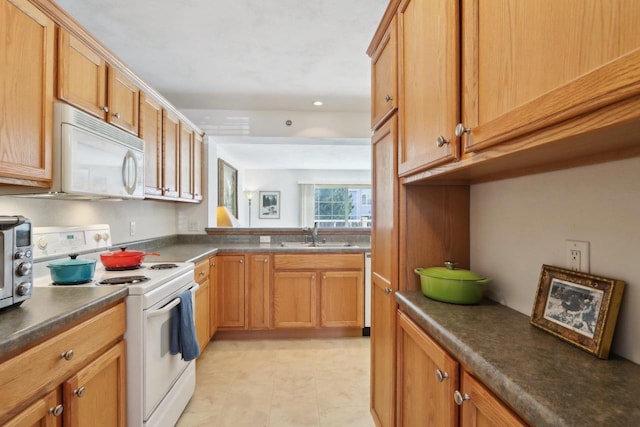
(265, 239)
(132, 228)
(578, 255)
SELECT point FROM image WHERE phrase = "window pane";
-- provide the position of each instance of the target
(339, 207)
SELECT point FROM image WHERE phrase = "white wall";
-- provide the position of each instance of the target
(519, 224)
(152, 218)
(287, 183)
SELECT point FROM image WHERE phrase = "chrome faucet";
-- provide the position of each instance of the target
(314, 234)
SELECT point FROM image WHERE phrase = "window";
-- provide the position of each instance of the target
(342, 206)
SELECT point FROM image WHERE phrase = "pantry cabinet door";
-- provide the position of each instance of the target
(428, 98)
(530, 65)
(26, 94)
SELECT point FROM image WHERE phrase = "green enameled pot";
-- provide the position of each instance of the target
(452, 285)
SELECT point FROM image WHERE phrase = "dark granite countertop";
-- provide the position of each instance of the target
(49, 310)
(549, 382)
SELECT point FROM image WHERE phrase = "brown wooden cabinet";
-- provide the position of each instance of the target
(384, 266)
(584, 58)
(185, 165)
(384, 77)
(77, 375)
(213, 295)
(196, 175)
(427, 379)
(151, 132)
(170, 151)
(88, 82)
(202, 303)
(258, 291)
(428, 104)
(231, 291)
(318, 290)
(26, 94)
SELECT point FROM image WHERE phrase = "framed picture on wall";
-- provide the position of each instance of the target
(269, 205)
(228, 187)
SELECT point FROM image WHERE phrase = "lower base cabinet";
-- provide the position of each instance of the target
(76, 378)
(433, 390)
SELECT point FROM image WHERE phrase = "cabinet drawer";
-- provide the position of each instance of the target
(202, 271)
(43, 367)
(318, 261)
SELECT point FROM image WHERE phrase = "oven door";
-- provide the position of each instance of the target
(161, 368)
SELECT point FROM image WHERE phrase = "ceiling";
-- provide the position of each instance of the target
(246, 55)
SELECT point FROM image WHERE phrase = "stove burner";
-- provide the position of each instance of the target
(125, 280)
(163, 266)
(72, 283)
(133, 267)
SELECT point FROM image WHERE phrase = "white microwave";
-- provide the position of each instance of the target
(91, 159)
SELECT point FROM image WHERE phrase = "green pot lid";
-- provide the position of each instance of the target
(72, 261)
(450, 272)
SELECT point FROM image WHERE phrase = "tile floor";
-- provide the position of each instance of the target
(282, 383)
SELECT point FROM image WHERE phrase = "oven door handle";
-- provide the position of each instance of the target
(170, 305)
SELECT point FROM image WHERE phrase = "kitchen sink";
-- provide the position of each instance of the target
(309, 245)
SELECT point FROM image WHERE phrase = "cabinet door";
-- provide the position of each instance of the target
(482, 409)
(42, 413)
(424, 400)
(202, 298)
(294, 299)
(231, 291)
(384, 77)
(530, 65)
(95, 396)
(26, 94)
(428, 98)
(151, 132)
(259, 291)
(185, 166)
(198, 147)
(213, 296)
(384, 266)
(342, 299)
(171, 163)
(82, 75)
(124, 102)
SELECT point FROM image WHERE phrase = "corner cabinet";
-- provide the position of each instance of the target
(77, 376)
(434, 390)
(26, 94)
(428, 74)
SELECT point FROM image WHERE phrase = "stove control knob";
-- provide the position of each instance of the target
(23, 269)
(97, 237)
(105, 236)
(24, 289)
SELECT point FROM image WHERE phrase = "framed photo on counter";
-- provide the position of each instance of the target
(579, 308)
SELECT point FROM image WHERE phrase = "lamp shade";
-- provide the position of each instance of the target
(224, 218)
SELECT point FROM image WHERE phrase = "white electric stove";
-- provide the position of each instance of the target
(159, 384)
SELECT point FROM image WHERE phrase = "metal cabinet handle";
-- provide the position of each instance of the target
(105, 108)
(461, 130)
(56, 411)
(67, 355)
(266, 260)
(79, 392)
(387, 291)
(241, 261)
(324, 277)
(116, 115)
(202, 273)
(388, 98)
(459, 398)
(441, 376)
(441, 140)
(213, 264)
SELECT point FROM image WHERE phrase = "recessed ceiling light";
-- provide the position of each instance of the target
(317, 103)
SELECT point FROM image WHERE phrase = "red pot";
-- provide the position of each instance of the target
(124, 258)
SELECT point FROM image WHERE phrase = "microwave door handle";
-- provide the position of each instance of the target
(127, 169)
(172, 304)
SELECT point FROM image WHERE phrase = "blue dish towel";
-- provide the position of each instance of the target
(183, 329)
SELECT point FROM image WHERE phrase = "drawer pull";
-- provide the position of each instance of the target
(67, 355)
(202, 273)
(387, 291)
(56, 411)
(79, 392)
(441, 376)
(441, 141)
(459, 398)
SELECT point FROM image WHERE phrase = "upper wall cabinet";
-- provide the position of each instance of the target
(85, 80)
(428, 104)
(26, 94)
(530, 65)
(151, 132)
(384, 77)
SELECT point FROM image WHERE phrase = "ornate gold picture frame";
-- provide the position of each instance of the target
(579, 308)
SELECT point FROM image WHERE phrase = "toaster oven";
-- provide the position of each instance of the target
(16, 267)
